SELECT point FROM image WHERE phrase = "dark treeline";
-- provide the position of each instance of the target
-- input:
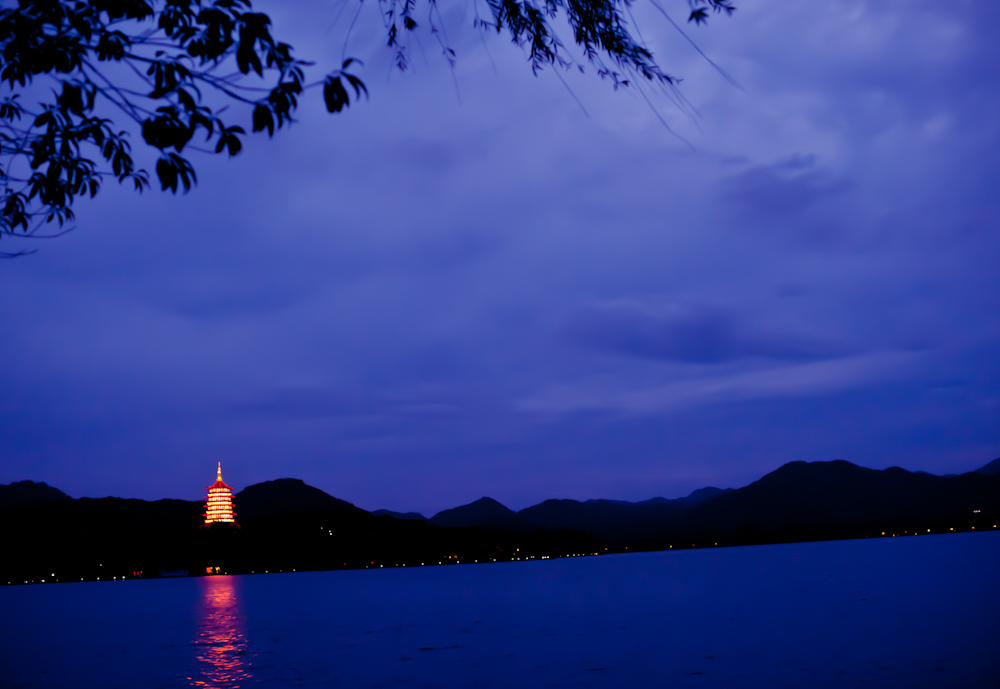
(286, 525)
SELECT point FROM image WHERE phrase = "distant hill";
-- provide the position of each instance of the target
(609, 520)
(283, 497)
(796, 501)
(699, 496)
(414, 516)
(991, 469)
(817, 496)
(606, 519)
(484, 513)
(29, 493)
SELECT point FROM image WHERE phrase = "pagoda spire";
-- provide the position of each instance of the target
(219, 475)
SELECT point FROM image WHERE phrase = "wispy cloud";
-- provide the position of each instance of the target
(672, 330)
(798, 380)
(781, 189)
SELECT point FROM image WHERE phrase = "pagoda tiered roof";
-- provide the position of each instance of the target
(219, 502)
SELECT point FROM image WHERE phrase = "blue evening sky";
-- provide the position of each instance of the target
(489, 283)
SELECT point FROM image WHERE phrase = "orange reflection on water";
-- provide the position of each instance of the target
(221, 646)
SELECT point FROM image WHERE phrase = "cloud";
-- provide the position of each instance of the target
(689, 333)
(309, 403)
(326, 403)
(782, 189)
(799, 380)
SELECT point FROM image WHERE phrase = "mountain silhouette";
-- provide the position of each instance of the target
(798, 501)
(695, 497)
(608, 520)
(991, 469)
(286, 524)
(484, 513)
(612, 520)
(28, 493)
(285, 496)
(839, 497)
(415, 516)
(690, 500)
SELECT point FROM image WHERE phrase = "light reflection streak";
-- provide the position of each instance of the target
(220, 645)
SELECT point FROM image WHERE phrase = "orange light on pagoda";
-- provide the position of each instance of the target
(219, 504)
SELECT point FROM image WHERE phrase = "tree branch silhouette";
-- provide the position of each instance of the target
(156, 64)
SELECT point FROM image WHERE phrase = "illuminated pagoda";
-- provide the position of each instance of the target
(219, 504)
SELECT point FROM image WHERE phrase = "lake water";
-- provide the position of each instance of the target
(895, 612)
